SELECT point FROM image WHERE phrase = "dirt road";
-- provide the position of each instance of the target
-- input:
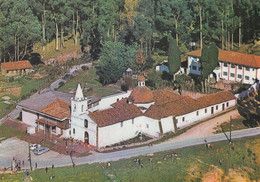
(206, 128)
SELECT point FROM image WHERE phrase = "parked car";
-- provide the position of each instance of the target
(41, 150)
(34, 146)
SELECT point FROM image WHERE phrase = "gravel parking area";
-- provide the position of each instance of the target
(18, 149)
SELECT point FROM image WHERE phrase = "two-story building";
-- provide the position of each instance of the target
(233, 66)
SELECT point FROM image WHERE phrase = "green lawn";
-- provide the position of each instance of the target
(236, 124)
(7, 132)
(89, 82)
(192, 164)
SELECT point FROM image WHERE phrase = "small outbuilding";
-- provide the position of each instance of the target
(16, 68)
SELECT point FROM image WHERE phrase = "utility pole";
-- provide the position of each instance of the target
(230, 129)
(29, 157)
(225, 133)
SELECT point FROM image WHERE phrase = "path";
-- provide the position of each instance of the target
(73, 71)
(206, 128)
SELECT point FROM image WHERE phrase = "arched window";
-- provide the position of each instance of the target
(86, 123)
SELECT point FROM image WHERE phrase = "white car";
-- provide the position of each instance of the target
(34, 146)
(41, 150)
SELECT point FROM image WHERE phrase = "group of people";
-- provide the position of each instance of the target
(16, 165)
(173, 156)
(138, 161)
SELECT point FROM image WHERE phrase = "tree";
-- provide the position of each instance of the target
(115, 58)
(174, 16)
(143, 26)
(249, 108)
(19, 28)
(209, 61)
(174, 56)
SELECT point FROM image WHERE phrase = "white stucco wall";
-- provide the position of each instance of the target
(65, 133)
(147, 126)
(167, 124)
(116, 133)
(194, 116)
(105, 102)
(251, 73)
(145, 105)
(58, 131)
(77, 123)
(29, 118)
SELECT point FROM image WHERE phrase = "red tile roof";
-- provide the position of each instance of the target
(141, 94)
(115, 115)
(57, 109)
(16, 65)
(186, 105)
(233, 57)
(166, 104)
(164, 96)
(214, 98)
(120, 103)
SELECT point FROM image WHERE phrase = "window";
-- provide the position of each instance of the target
(227, 104)
(206, 110)
(133, 121)
(7, 71)
(82, 108)
(121, 123)
(74, 106)
(74, 131)
(225, 64)
(147, 125)
(253, 69)
(225, 73)
(232, 66)
(247, 77)
(239, 76)
(232, 74)
(183, 118)
(216, 107)
(70, 132)
(86, 123)
(197, 113)
(194, 67)
(247, 69)
(117, 100)
(240, 67)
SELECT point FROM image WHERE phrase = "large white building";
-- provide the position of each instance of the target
(122, 116)
(151, 113)
(233, 66)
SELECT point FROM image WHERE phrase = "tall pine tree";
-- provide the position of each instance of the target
(174, 56)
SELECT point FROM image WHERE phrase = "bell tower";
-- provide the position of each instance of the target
(79, 103)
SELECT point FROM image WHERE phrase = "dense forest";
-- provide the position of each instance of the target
(143, 24)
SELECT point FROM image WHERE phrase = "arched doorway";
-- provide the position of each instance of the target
(86, 138)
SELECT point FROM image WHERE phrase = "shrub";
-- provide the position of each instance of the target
(124, 87)
(61, 84)
(84, 67)
(11, 79)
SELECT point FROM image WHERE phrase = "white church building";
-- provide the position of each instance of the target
(233, 66)
(119, 117)
(150, 112)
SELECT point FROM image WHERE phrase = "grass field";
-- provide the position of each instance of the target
(192, 164)
(236, 124)
(7, 132)
(89, 82)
